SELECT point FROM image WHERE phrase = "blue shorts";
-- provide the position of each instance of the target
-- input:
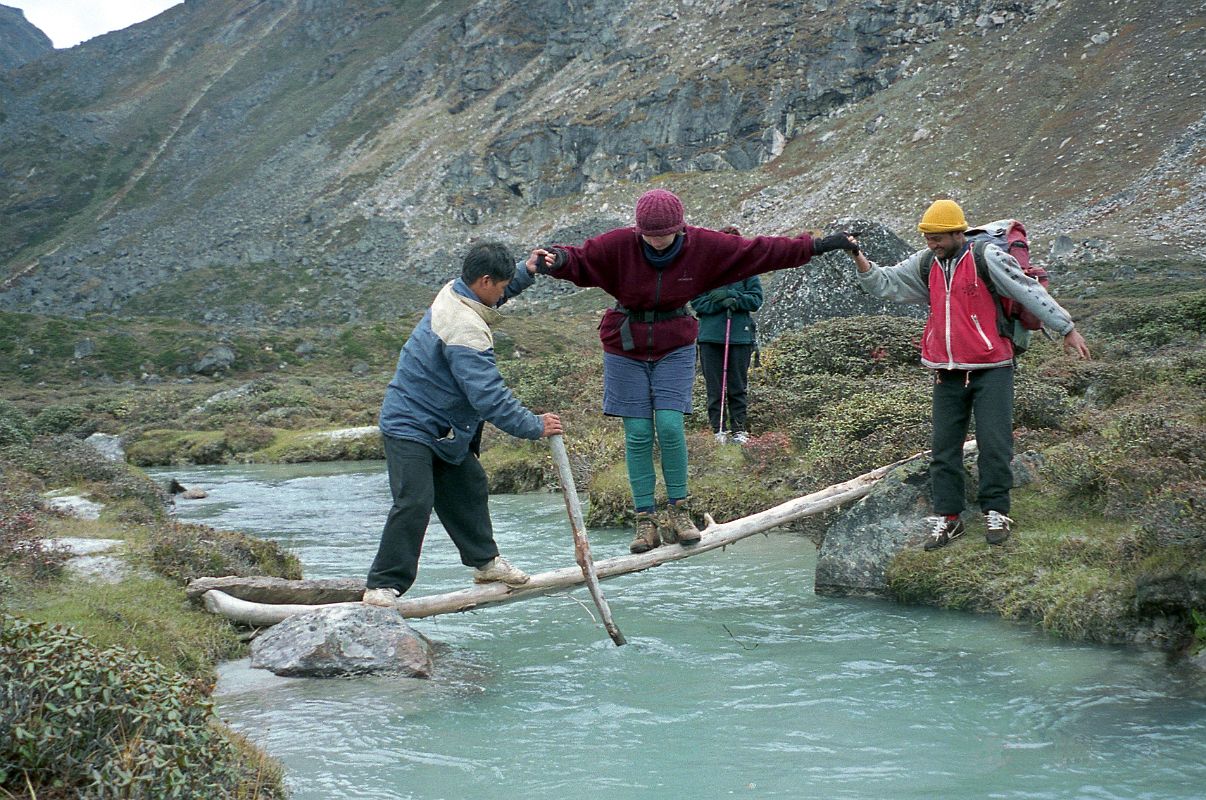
(633, 388)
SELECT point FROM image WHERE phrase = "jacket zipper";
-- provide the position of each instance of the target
(976, 320)
(947, 279)
(657, 294)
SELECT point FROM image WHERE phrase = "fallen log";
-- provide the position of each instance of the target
(715, 535)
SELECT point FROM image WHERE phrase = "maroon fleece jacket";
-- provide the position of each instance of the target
(709, 259)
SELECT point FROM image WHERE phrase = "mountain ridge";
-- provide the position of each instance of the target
(325, 161)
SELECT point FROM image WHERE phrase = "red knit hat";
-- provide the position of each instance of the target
(659, 213)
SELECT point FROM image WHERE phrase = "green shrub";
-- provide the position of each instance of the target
(80, 721)
(22, 552)
(1154, 322)
(1175, 516)
(791, 406)
(58, 419)
(14, 425)
(847, 346)
(553, 382)
(245, 438)
(867, 430)
(1037, 404)
(183, 552)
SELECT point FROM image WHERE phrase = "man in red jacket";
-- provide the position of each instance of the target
(653, 270)
(971, 359)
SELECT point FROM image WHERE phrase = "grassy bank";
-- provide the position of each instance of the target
(1112, 534)
(105, 683)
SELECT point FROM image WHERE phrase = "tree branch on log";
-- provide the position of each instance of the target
(715, 535)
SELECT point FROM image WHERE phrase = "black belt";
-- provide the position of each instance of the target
(647, 317)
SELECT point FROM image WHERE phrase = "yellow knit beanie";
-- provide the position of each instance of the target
(943, 216)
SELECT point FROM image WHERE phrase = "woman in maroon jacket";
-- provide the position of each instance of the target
(653, 270)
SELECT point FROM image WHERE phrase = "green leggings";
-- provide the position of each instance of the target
(638, 454)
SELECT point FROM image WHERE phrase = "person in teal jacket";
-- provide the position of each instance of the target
(725, 317)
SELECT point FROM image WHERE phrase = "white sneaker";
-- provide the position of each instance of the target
(721, 437)
(499, 569)
(996, 527)
(384, 596)
(741, 437)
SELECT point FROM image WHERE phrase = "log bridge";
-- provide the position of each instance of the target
(262, 602)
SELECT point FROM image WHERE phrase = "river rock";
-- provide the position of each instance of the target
(352, 639)
(862, 542)
(108, 446)
(74, 505)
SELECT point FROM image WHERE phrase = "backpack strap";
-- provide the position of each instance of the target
(1004, 327)
(925, 265)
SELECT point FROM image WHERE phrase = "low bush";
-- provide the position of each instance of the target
(868, 430)
(22, 552)
(183, 552)
(1038, 404)
(79, 721)
(846, 346)
(245, 438)
(15, 428)
(59, 419)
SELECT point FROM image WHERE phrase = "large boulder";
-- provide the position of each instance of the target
(108, 446)
(862, 542)
(351, 639)
(827, 286)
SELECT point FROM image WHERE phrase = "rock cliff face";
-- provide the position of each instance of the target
(19, 40)
(311, 160)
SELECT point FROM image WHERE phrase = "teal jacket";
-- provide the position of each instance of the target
(713, 311)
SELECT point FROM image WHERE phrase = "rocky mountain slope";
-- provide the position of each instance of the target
(297, 161)
(19, 40)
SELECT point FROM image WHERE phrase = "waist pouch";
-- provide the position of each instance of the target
(647, 317)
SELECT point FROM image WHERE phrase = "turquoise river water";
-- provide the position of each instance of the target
(738, 681)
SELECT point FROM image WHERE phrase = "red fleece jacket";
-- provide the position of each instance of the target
(615, 262)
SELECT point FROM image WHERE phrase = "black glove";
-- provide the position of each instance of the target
(834, 241)
(729, 302)
(718, 296)
(558, 261)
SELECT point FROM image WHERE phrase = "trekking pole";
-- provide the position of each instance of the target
(724, 371)
(581, 544)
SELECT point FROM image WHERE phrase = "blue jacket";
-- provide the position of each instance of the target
(447, 381)
(714, 315)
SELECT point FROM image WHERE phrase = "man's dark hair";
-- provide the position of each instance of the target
(488, 258)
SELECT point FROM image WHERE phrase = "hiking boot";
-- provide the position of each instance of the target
(721, 437)
(741, 437)
(385, 596)
(499, 569)
(996, 527)
(943, 532)
(676, 524)
(646, 533)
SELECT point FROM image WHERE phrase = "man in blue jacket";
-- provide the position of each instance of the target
(446, 387)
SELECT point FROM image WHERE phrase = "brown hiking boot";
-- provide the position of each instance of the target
(646, 533)
(676, 523)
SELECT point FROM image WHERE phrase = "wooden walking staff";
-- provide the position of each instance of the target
(581, 545)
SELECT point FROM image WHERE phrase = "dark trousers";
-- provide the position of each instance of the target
(711, 360)
(958, 395)
(419, 481)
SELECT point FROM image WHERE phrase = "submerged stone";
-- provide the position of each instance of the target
(352, 639)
